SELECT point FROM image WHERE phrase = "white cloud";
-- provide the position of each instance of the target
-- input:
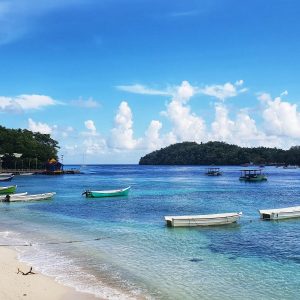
(186, 125)
(89, 103)
(281, 118)
(25, 102)
(122, 134)
(141, 89)
(39, 127)
(222, 92)
(89, 124)
(284, 93)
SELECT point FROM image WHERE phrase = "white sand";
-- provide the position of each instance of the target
(15, 286)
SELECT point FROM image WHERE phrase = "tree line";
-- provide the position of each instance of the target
(220, 153)
(36, 148)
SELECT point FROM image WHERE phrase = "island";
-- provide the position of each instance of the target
(220, 153)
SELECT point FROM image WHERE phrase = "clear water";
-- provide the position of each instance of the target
(137, 256)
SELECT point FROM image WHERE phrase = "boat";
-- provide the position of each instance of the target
(8, 178)
(202, 220)
(290, 167)
(280, 213)
(213, 172)
(4, 197)
(28, 197)
(252, 175)
(26, 174)
(7, 189)
(6, 174)
(106, 193)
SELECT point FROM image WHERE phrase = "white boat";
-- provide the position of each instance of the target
(26, 174)
(290, 167)
(28, 197)
(6, 174)
(280, 213)
(4, 197)
(202, 220)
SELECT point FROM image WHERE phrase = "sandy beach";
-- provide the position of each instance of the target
(15, 286)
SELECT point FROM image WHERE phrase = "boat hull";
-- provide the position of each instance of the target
(102, 194)
(9, 178)
(253, 179)
(8, 190)
(202, 220)
(25, 198)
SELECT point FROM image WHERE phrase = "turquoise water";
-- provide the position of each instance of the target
(136, 256)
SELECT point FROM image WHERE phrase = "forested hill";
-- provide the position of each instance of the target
(219, 153)
(34, 147)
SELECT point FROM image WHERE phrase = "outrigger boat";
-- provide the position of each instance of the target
(252, 175)
(213, 172)
(280, 213)
(7, 189)
(8, 178)
(106, 193)
(28, 197)
(202, 220)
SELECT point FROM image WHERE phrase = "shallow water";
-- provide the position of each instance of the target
(136, 256)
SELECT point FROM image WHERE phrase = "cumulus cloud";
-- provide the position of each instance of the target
(122, 134)
(222, 92)
(281, 118)
(39, 127)
(89, 124)
(25, 102)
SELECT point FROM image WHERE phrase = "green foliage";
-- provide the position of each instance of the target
(36, 148)
(219, 153)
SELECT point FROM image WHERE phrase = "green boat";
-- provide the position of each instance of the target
(8, 189)
(107, 193)
(252, 175)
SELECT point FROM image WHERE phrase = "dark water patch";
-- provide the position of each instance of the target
(196, 260)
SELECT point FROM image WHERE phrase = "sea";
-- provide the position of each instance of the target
(120, 247)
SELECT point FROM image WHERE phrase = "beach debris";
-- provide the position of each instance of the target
(27, 273)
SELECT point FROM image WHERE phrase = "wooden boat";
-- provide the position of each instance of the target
(280, 213)
(7, 189)
(213, 172)
(8, 178)
(202, 220)
(4, 197)
(107, 193)
(252, 175)
(28, 197)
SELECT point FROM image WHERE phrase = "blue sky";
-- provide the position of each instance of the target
(112, 80)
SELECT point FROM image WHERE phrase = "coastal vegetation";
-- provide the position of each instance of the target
(220, 153)
(21, 148)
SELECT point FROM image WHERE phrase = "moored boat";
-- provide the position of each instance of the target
(4, 197)
(252, 175)
(213, 172)
(28, 197)
(26, 174)
(107, 193)
(6, 174)
(280, 213)
(6, 178)
(7, 189)
(202, 220)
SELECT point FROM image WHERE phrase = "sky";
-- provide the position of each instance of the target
(112, 80)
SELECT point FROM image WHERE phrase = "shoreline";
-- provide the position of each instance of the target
(33, 286)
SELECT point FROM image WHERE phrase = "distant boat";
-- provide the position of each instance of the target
(107, 193)
(27, 197)
(8, 189)
(202, 220)
(280, 213)
(9, 178)
(26, 174)
(6, 174)
(3, 198)
(252, 175)
(290, 167)
(213, 172)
